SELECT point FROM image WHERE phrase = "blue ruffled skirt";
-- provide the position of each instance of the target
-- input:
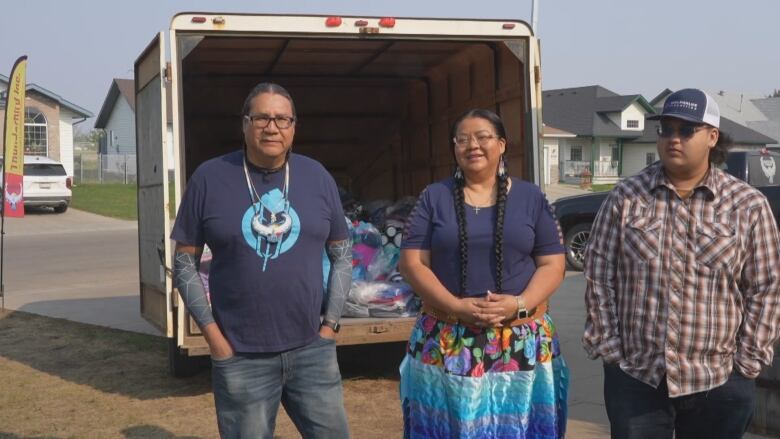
(465, 382)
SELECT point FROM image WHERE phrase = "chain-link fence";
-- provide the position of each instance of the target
(92, 167)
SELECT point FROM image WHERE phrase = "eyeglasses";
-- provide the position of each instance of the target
(685, 131)
(262, 121)
(482, 139)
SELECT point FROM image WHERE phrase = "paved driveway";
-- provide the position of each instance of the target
(558, 190)
(77, 266)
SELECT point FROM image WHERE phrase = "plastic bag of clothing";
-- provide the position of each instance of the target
(385, 299)
(366, 243)
(385, 262)
(352, 309)
(352, 207)
(375, 212)
(392, 225)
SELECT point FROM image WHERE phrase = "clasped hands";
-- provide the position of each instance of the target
(487, 311)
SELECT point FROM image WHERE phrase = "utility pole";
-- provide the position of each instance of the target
(535, 17)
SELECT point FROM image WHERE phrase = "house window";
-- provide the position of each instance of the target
(575, 154)
(36, 137)
(650, 158)
(632, 123)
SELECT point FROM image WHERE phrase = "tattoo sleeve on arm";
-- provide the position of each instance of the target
(340, 280)
(187, 279)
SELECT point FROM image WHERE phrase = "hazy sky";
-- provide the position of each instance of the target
(76, 47)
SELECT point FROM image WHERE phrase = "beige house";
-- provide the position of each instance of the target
(48, 123)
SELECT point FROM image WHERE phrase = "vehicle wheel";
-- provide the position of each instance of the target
(182, 365)
(60, 208)
(575, 241)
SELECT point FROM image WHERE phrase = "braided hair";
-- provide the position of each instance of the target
(460, 204)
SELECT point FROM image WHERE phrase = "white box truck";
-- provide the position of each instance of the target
(375, 98)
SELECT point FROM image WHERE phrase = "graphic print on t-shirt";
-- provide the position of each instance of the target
(271, 203)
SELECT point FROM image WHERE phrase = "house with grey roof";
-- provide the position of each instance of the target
(48, 122)
(117, 119)
(770, 107)
(602, 122)
(612, 138)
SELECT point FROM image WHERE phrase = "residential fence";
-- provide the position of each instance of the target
(606, 168)
(602, 168)
(92, 167)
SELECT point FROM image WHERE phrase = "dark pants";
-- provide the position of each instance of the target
(638, 411)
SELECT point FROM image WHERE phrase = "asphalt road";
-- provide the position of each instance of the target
(75, 265)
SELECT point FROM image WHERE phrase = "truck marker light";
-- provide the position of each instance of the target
(361, 23)
(508, 26)
(387, 22)
(333, 21)
(198, 19)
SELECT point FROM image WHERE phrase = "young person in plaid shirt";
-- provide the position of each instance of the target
(683, 283)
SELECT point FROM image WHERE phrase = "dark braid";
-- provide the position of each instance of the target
(463, 244)
(460, 204)
(503, 186)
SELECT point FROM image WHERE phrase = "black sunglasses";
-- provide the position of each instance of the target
(685, 130)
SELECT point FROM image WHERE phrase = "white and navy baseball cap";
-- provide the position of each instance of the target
(690, 104)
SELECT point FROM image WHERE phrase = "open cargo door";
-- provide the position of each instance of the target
(535, 122)
(153, 223)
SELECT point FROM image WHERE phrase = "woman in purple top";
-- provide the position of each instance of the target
(484, 253)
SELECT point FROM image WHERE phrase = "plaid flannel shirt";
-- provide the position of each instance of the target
(683, 288)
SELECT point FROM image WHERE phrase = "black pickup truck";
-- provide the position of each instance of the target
(576, 214)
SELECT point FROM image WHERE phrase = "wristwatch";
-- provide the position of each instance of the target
(522, 311)
(335, 326)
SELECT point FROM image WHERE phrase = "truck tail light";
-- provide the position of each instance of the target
(69, 183)
(387, 22)
(508, 26)
(333, 21)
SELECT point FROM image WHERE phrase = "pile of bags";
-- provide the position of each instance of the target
(377, 287)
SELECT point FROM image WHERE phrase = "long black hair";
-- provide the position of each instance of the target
(460, 204)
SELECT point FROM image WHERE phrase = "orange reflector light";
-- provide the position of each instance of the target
(387, 22)
(333, 21)
(509, 26)
(361, 23)
(198, 19)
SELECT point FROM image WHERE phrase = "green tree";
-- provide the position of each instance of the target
(88, 140)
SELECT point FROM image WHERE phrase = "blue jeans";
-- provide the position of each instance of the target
(249, 387)
(638, 411)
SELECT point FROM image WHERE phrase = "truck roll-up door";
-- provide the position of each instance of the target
(154, 247)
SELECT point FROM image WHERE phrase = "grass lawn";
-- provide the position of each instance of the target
(114, 200)
(602, 187)
(63, 379)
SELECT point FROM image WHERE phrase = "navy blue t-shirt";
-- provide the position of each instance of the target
(529, 230)
(266, 297)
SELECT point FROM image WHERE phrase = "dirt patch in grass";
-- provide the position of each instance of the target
(61, 379)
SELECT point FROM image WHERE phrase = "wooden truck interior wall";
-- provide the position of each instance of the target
(376, 113)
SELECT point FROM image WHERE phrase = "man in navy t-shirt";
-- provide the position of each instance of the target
(267, 214)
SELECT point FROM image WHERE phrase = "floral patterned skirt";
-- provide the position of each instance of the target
(459, 381)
